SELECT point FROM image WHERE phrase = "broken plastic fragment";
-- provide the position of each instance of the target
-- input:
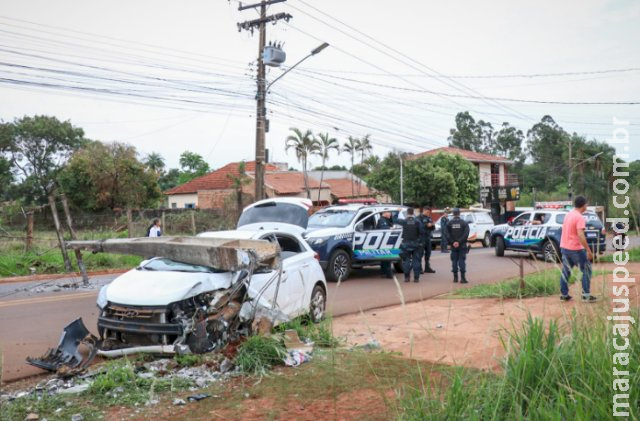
(67, 358)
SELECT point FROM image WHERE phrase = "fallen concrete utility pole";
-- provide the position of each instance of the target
(220, 253)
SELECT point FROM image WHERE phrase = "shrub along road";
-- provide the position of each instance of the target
(32, 322)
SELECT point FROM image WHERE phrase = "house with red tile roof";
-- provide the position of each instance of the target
(212, 189)
(216, 189)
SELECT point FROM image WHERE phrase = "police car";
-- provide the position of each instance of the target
(539, 232)
(345, 237)
(480, 226)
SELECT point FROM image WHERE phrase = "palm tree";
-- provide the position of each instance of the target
(304, 146)
(365, 147)
(155, 162)
(326, 144)
(352, 146)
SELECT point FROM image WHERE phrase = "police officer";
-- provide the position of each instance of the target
(458, 233)
(429, 226)
(444, 241)
(385, 223)
(411, 248)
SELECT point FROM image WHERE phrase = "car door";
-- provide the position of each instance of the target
(374, 244)
(296, 261)
(515, 237)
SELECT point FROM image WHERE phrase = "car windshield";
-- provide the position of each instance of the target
(331, 218)
(286, 213)
(167, 265)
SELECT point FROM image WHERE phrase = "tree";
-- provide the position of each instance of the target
(438, 180)
(192, 165)
(108, 176)
(386, 177)
(364, 147)
(351, 146)
(6, 178)
(238, 181)
(465, 135)
(38, 147)
(170, 179)
(548, 145)
(326, 143)
(304, 145)
(508, 143)
(155, 162)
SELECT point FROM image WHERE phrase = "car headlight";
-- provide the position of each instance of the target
(317, 241)
(102, 297)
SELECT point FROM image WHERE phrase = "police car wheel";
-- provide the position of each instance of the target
(318, 304)
(339, 266)
(550, 252)
(486, 241)
(499, 246)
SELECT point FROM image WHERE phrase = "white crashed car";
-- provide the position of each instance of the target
(163, 304)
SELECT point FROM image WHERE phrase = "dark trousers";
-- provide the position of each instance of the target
(571, 258)
(411, 258)
(427, 254)
(444, 242)
(459, 259)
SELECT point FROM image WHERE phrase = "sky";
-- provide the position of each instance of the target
(168, 76)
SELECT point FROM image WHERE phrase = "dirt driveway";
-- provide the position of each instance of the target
(466, 332)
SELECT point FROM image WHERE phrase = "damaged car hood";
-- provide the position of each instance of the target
(140, 287)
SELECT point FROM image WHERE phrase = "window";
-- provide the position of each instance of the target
(189, 205)
(289, 246)
(368, 222)
(522, 219)
(174, 205)
(541, 218)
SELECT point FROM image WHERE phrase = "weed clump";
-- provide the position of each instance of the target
(258, 354)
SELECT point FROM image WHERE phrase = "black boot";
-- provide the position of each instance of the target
(455, 277)
(429, 269)
(464, 279)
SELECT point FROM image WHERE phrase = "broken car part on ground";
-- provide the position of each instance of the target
(203, 292)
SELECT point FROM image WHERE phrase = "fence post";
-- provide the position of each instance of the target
(56, 221)
(29, 239)
(164, 225)
(130, 222)
(193, 222)
(522, 284)
(78, 253)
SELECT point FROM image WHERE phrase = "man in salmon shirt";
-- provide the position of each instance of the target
(575, 251)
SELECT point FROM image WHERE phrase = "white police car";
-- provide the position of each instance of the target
(539, 232)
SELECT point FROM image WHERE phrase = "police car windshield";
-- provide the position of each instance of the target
(331, 218)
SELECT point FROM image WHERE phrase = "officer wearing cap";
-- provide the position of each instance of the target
(411, 248)
(458, 233)
(429, 226)
(444, 221)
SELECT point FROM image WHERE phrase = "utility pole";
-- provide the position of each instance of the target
(261, 120)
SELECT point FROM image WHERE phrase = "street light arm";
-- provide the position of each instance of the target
(313, 53)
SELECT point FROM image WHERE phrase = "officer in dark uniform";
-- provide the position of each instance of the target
(411, 247)
(444, 221)
(429, 226)
(385, 223)
(458, 232)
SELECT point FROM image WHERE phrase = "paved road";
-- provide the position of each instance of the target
(32, 322)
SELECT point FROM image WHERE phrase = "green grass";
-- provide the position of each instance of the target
(15, 262)
(319, 333)
(539, 284)
(258, 354)
(552, 372)
(634, 256)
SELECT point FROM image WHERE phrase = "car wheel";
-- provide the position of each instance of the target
(499, 246)
(339, 266)
(318, 304)
(550, 251)
(486, 241)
